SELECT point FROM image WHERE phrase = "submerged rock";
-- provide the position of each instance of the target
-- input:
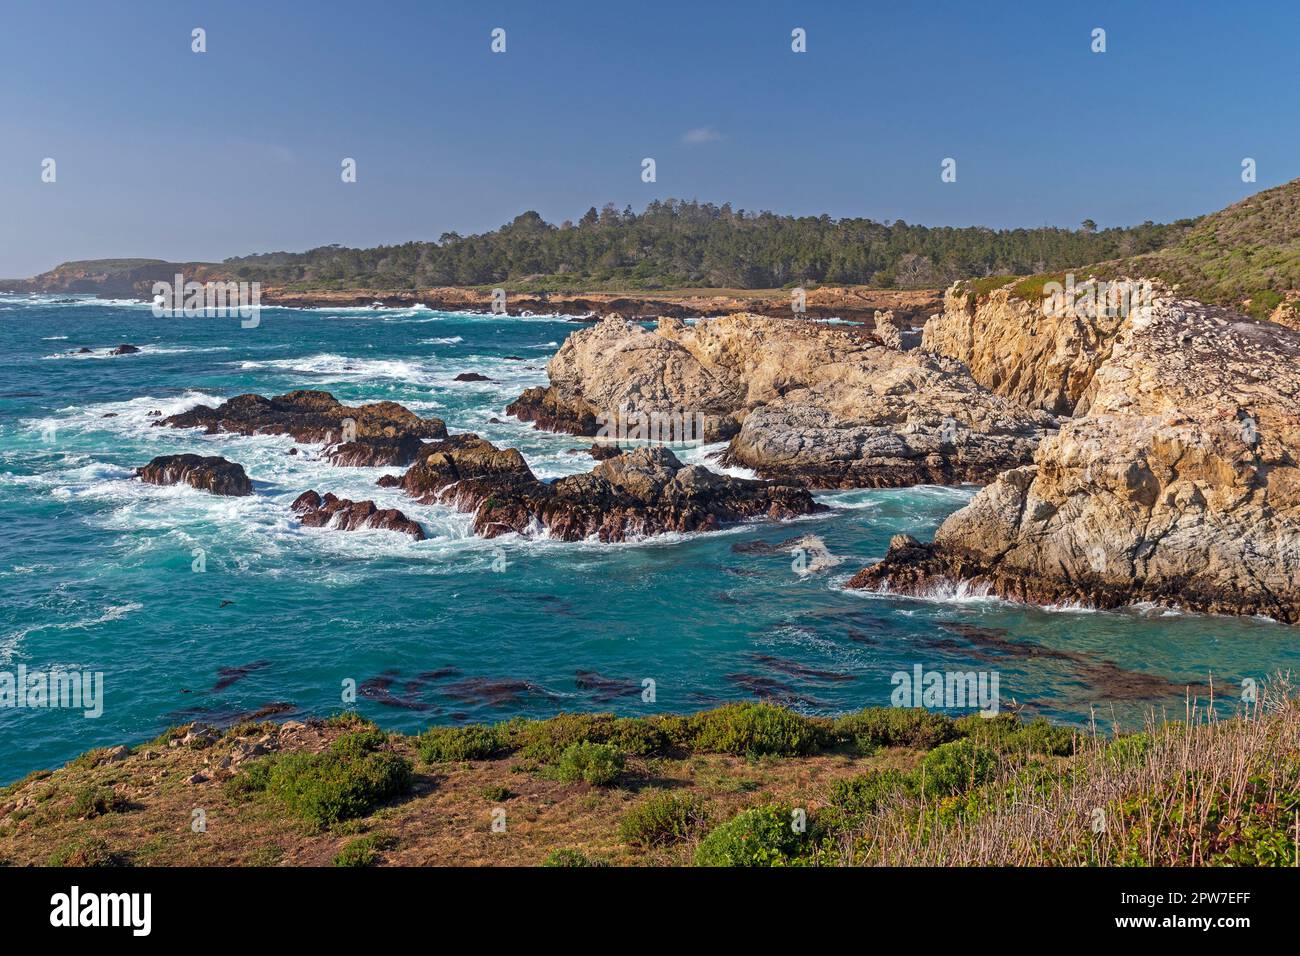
(639, 493)
(377, 433)
(1180, 485)
(344, 514)
(213, 474)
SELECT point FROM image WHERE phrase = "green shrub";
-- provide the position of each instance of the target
(764, 836)
(895, 727)
(346, 781)
(570, 858)
(364, 851)
(496, 793)
(638, 735)
(1006, 733)
(471, 742)
(856, 798)
(756, 729)
(86, 852)
(94, 802)
(252, 779)
(957, 767)
(596, 764)
(662, 818)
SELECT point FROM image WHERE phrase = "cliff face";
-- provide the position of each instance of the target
(1180, 484)
(1038, 356)
(830, 406)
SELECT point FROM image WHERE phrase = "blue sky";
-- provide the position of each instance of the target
(165, 153)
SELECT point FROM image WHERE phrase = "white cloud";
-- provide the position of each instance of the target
(702, 134)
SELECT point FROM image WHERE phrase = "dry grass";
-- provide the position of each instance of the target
(1201, 791)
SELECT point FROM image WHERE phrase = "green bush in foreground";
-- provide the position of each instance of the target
(570, 858)
(96, 802)
(87, 852)
(895, 727)
(957, 767)
(756, 730)
(364, 851)
(856, 798)
(596, 764)
(346, 781)
(472, 742)
(764, 836)
(662, 818)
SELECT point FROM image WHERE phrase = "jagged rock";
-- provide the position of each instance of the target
(1035, 352)
(1180, 485)
(124, 349)
(639, 493)
(213, 474)
(330, 511)
(830, 406)
(472, 377)
(383, 433)
(889, 329)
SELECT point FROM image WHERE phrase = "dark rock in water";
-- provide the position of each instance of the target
(380, 433)
(124, 350)
(155, 413)
(606, 689)
(109, 415)
(389, 481)
(541, 407)
(472, 377)
(376, 452)
(495, 421)
(643, 492)
(228, 675)
(513, 358)
(775, 691)
(377, 689)
(802, 671)
(83, 351)
(212, 474)
(292, 451)
(604, 452)
(490, 691)
(344, 514)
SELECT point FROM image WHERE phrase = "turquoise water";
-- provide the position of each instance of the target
(96, 568)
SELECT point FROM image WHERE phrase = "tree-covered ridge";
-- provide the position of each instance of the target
(688, 244)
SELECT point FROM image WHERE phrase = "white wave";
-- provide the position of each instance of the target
(445, 340)
(113, 612)
(54, 338)
(106, 352)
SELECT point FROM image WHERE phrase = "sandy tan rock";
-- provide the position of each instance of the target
(829, 405)
(1181, 484)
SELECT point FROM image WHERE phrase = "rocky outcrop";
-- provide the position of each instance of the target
(1020, 345)
(212, 474)
(378, 433)
(329, 511)
(1180, 485)
(641, 493)
(800, 401)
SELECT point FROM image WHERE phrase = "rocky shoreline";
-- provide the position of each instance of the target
(1177, 481)
(827, 406)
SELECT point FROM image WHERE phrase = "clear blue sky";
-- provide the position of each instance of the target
(165, 153)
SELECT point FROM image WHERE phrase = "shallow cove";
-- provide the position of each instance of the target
(96, 569)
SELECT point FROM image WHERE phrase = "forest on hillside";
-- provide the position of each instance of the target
(686, 244)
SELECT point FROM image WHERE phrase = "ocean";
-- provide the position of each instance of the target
(196, 607)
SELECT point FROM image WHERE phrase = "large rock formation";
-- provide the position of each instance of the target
(1180, 485)
(212, 474)
(330, 511)
(1018, 345)
(378, 433)
(637, 494)
(829, 405)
